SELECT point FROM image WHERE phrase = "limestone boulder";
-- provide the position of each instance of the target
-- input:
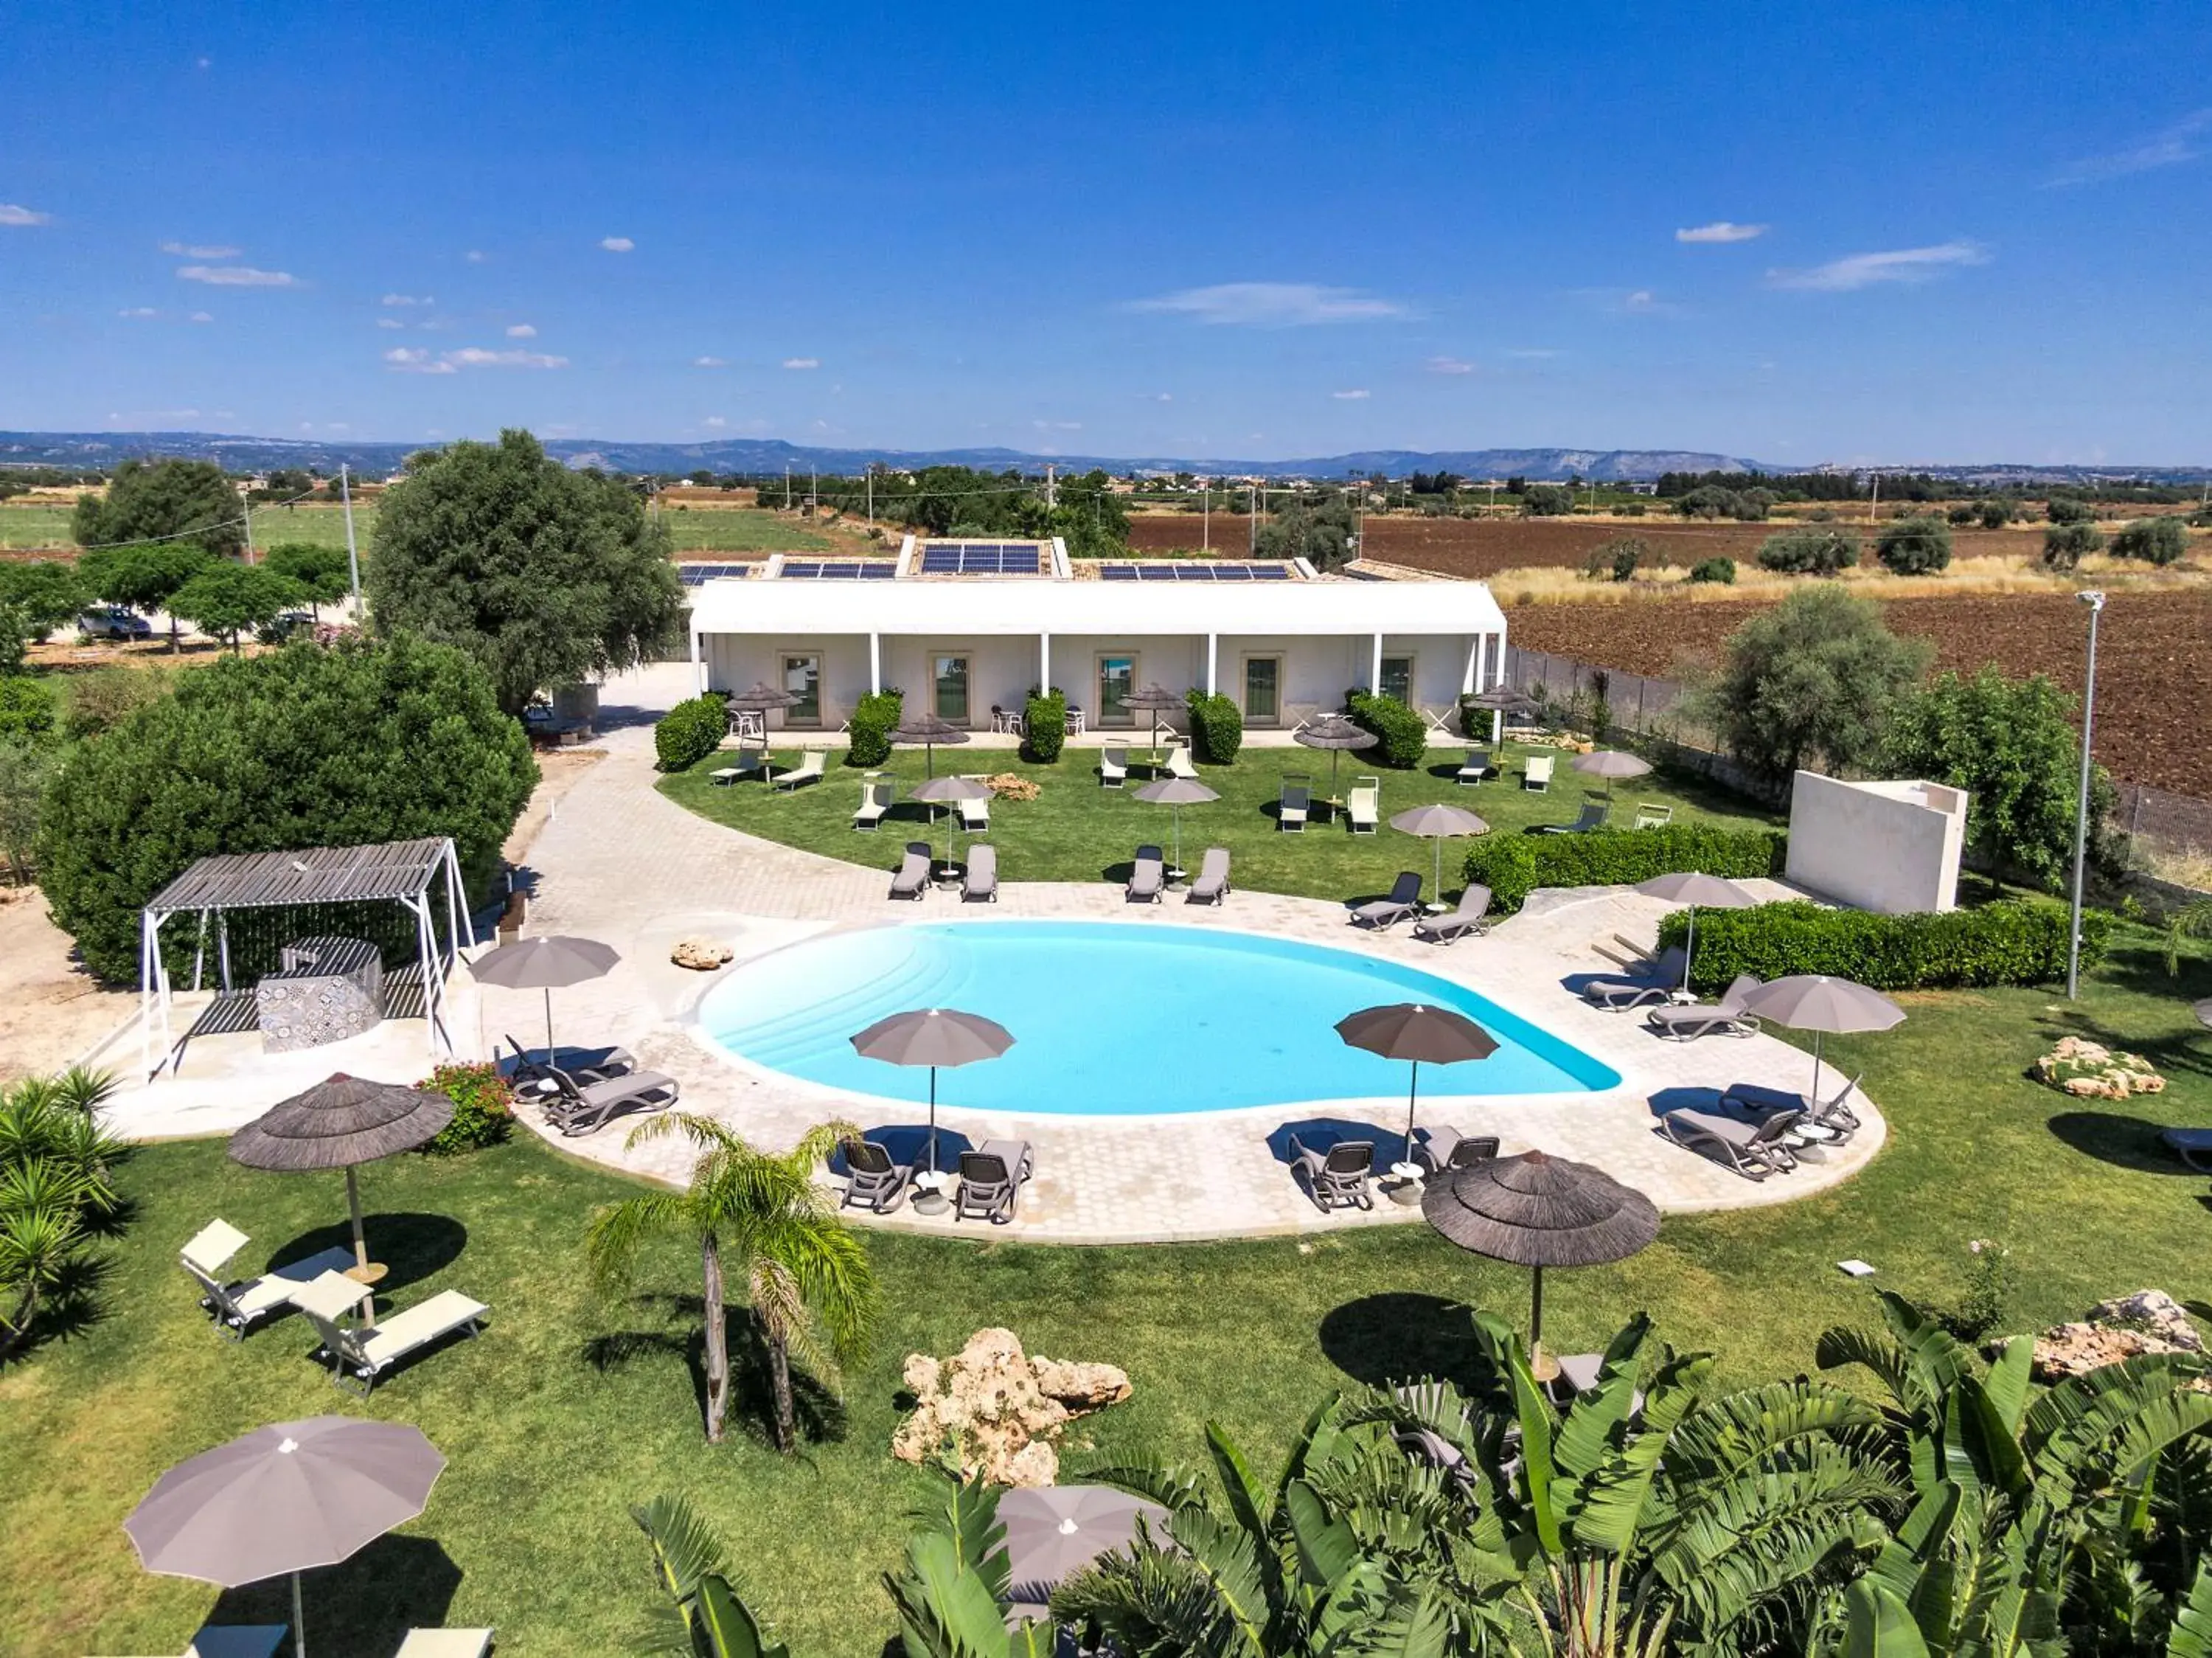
(701, 954)
(1080, 1387)
(992, 1410)
(2148, 1321)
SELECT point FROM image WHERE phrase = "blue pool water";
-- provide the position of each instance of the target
(1116, 1019)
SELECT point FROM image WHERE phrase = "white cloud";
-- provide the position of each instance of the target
(476, 356)
(237, 276)
(2182, 142)
(1856, 270)
(140, 417)
(1449, 365)
(475, 256)
(522, 331)
(1358, 394)
(1160, 397)
(1642, 302)
(389, 322)
(200, 316)
(138, 311)
(1057, 426)
(10, 213)
(1720, 230)
(714, 422)
(416, 360)
(710, 362)
(616, 244)
(407, 299)
(1273, 304)
(802, 362)
(196, 251)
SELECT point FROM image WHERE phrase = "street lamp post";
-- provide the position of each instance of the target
(2095, 600)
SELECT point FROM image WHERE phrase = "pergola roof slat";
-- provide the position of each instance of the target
(316, 874)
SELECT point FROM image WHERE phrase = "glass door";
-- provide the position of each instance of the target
(949, 677)
(1398, 679)
(1117, 677)
(1263, 678)
(802, 678)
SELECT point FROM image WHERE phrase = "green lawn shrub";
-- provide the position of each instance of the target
(484, 1108)
(1714, 570)
(2065, 545)
(1914, 546)
(875, 717)
(2009, 942)
(28, 708)
(1402, 734)
(1514, 866)
(1808, 552)
(2154, 540)
(1044, 727)
(692, 730)
(1216, 728)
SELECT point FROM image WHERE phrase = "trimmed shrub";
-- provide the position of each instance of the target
(1714, 570)
(1216, 728)
(875, 717)
(1403, 734)
(2010, 942)
(2065, 545)
(1514, 866)
(2154, 540)
(484, 1108)
(1044, 727)
(1914, 546)
(28, 708)
(1809, 552)
(692, 730)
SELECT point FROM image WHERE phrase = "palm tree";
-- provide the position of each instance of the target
(54, 1179)
(807, 1276)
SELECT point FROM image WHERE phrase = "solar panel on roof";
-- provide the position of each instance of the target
(1117, 572)
(809, 567)
(1270, 573)
(1157, 572)
(878, 570)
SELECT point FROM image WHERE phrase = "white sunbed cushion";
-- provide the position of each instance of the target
(403, 1333)
(446, 1643)
(276, 1288)
(212, 1245)
(332, 1296)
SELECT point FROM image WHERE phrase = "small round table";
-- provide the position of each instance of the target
(1409, 1188)
(929, 1193)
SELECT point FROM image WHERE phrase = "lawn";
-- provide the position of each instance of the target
(739, 529)
(35, 527)
(572, 1405)
(706, 529)
(1077, 831)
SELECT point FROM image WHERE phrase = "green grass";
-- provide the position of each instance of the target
(1077, 831)
(739, 529)
(717, 529)
(550, 1438)
(35, 527)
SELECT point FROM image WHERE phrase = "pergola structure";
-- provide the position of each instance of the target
(403, 872)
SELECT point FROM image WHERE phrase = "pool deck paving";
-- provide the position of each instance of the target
(618, 861)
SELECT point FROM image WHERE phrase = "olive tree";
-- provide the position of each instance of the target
(2154, 540)
(224, 600)
(144, 575)
(184, 501)
(324, 574)
(45, 592)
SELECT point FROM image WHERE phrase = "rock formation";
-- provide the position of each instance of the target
(993, 1409)
(2148, 1321)
(701, 954)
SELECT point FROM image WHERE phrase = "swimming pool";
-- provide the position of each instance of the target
(1119, 1020)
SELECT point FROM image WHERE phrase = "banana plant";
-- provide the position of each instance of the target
(704, 1617)
(951, 1594)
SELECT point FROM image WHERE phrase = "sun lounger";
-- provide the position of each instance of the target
(1112, 767)
(981, 883)
(1212, 886)
(1442, 1149)
(1148, 876)
(991, 1181)
(239, 1305)
(1726, 1017)
(1594, 814)
(912, 879)
(1363, 805)
(1469, 917)
(874, 1179)
(1654, 982)
(1476, 767)
(1536, 770)
(1832, 1119)
(2192, 1145)
(1338, 1176)
(238, 1641)
(1297, 802)
(1405, 900)
(1579, 1374)
(365, 1352)
(1648, 816)
(1179, 763)
(446, 1643)
(875, 800)
(523, 1070)
(975, 815)
(809, 770)
(749, 761)
(581, 1108)
(1753, 1150)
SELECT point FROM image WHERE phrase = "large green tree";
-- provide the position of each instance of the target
(225, 600)
(543, 575)
(1810, 683)
(305, 747)
(45, 592)
(324, 574)
(144, 575)
(163, 500)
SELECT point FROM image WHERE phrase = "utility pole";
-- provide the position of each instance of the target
(353, 552)
(1051, 489)
(786, 486)
(813, 491)
(2095, 600)
(1873, 507)
(1206, 519)
(246, 505)
(1252, 515)
(872, 495)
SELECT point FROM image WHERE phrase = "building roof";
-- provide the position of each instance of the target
(313, 875)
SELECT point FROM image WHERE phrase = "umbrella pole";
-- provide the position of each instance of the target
(1437, 883)
(932, 1119)
(299, 1622)
(1535, 1313)
(550, 1055)
(1690, 950)
(360, 1247)
(1412, 1089)
(1815, 1102)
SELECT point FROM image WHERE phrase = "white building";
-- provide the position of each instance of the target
(963, 627)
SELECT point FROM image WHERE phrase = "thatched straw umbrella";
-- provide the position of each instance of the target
(1155, 699)
(1335, 733)
(928, 730)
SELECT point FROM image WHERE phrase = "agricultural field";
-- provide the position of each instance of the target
(1482, 547)
(1230, 533)
(34, 526)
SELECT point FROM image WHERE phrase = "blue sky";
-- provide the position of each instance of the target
(1798, 232)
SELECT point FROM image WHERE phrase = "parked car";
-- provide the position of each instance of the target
(112, 622)
(286, 626)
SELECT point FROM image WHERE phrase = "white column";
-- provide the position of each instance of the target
(1375, 670)
(698, 668)
(1213, 657)
(1044, 665)
(1473, 677)
(875, 663)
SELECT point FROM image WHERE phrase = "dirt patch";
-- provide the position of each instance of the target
(51, 1009)
(1482, 547)
(1229, 535)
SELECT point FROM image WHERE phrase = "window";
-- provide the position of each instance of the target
(1117, 677)
(948, 676)
(1263, 689)
(1398, 679)
(802, 678)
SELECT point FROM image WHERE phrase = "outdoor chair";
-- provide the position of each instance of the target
(980, 882)
(526, 1071)
(1536, 770)
(238, 1305)
(1338, 1176)
(875, 799)
(912, 879)
(1112, 767)
(1363, 806)
(1469, 917)
(874, 1179)
(991, 1181)
(975, 815)
(1179, 762)
(809, 770)
(2192, 1145)
(444, 1644)
(1655, 981)
(1445, 1148)
(581, 1108)
(1726, 1017)
(1212, 886)
(1753, 1151)
(1476, 767)
(1405, 900)
(1834, 1117)
(1297, 802)
(1005, 719)
(1650, 815)
(1594, 814)
(1148, 877)
(365, 1351)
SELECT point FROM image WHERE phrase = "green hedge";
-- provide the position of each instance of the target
(1404, 735)
(692, 730)
(875, 717)
(1044, 727)
(1513, 866)
(2010, 942)
(1216, 728)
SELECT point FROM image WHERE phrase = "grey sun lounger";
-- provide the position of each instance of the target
(612, 1062)
(1655, 982)
(2192, 1145)
(1834, 1117)
(991, 1181)
(1594, 814)
(1405, 900)
(912, 879)
(1148, 876)
(237, 1305)
(874, 1179)
(364, 1352)
(1297, 802)
(1446, 1147)
(1753, 1151)
(1212, 886)
(582, 1108)
(1478, 767)
(1469, 917)
(1338, 1176)
(981, 881)
(1726, 1017)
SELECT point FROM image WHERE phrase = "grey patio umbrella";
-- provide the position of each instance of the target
(1537, 1211)
(928, 730)
(1822, 1005)
(1438, 823)
(1415, 1031)
(932, 1037)
(545, 964)
(1609, 763)
(1335, 733)
(1155, 699)
(943, 792)
(1177, 792)
(340, 1123)
(1692, 889)
(284, 1499)
(1054, 1532)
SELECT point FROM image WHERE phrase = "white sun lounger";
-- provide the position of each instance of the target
(365, 1351)
(239, 1305)
(809, 770)
(446, 1643)
(875, 800)
(1536, 770)
(1363, 805)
